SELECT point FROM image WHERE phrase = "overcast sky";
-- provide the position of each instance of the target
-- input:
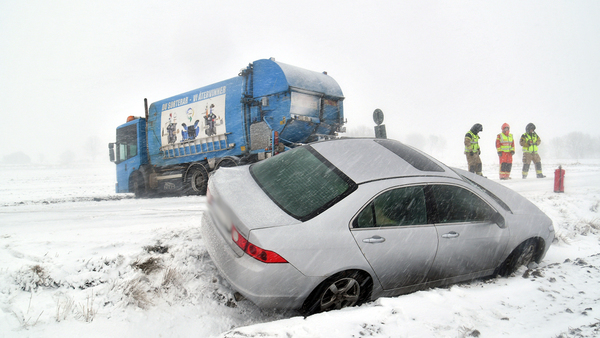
(72, 71)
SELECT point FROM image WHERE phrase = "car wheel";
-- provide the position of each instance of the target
(522, 255)
(196, 180)
(345, 289)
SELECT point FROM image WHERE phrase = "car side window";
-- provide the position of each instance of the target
(396, 207)
(457, 205)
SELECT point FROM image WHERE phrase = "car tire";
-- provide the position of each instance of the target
(346, 289)
(523, 255)
(196, 180)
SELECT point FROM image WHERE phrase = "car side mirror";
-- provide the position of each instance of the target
(111, 151)
(498, 219)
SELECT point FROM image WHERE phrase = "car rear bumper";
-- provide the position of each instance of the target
(276, 285)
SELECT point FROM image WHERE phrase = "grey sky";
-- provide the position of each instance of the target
(71, 71)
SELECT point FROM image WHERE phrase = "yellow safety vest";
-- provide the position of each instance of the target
(530, 148)
(474, 146)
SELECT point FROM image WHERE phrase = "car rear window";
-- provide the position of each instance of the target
(302, 182)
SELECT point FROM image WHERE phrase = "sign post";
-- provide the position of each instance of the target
(379, 128)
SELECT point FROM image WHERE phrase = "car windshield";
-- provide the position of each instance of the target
(302, 182)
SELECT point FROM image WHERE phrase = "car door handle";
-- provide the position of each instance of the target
(451, 234)
(374, 239)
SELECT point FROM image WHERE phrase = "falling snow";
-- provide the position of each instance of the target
(75, 259)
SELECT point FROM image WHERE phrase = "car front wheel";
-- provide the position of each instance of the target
(522, 255)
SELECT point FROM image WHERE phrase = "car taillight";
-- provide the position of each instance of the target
(254, 251)
(238, 238)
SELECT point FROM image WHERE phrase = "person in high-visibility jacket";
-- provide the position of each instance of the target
(505, 146)
(472, 149)
(530, 142)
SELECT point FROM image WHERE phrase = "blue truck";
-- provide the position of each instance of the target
(269, 107)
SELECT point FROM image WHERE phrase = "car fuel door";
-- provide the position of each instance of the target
(395, 237)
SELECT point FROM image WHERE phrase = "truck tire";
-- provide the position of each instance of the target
(138, 185)
(196, 180)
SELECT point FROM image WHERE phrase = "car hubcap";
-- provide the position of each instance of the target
(526, 256)
(342, 293)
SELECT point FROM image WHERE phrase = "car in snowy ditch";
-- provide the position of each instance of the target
(337, 223)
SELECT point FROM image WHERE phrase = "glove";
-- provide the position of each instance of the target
(500, 153)
(512, 152)
(471, 153)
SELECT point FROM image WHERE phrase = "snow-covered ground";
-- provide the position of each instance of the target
(78, 260)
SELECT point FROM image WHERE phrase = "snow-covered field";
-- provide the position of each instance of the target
(78, 260)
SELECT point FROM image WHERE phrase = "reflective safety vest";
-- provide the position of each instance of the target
(530, 148)
(474, 145)
(506, 143)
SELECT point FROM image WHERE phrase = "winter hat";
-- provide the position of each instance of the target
(476, 128)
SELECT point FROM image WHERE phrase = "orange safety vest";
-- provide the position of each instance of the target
(505, 143)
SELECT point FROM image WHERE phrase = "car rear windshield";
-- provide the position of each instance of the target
(302, 182)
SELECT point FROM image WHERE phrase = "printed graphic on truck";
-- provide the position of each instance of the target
(183, 122)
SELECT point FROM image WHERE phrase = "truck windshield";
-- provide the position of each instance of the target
(302, 182)
(126, 142)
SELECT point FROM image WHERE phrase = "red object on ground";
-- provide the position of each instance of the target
(559, 180)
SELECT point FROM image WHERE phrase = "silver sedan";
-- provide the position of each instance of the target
(337, 223)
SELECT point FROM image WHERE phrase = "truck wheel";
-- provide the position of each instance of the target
(138, 186)
(196, 180)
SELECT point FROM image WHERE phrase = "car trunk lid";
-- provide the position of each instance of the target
(236, 200)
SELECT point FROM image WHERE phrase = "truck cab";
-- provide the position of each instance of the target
(130, 154)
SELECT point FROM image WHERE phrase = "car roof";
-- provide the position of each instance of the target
(368, 159)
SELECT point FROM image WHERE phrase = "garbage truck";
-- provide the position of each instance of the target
(267, 108)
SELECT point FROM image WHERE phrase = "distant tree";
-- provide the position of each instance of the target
(360, 131)
(558, 148)
(16, 158)
(575, 145)
(93, 147)
(417, 140)
(67, 156)
(436, 145)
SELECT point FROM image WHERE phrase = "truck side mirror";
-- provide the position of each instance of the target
(111, 151)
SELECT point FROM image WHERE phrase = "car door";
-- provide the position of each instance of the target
(395, 236)
(470, 240)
